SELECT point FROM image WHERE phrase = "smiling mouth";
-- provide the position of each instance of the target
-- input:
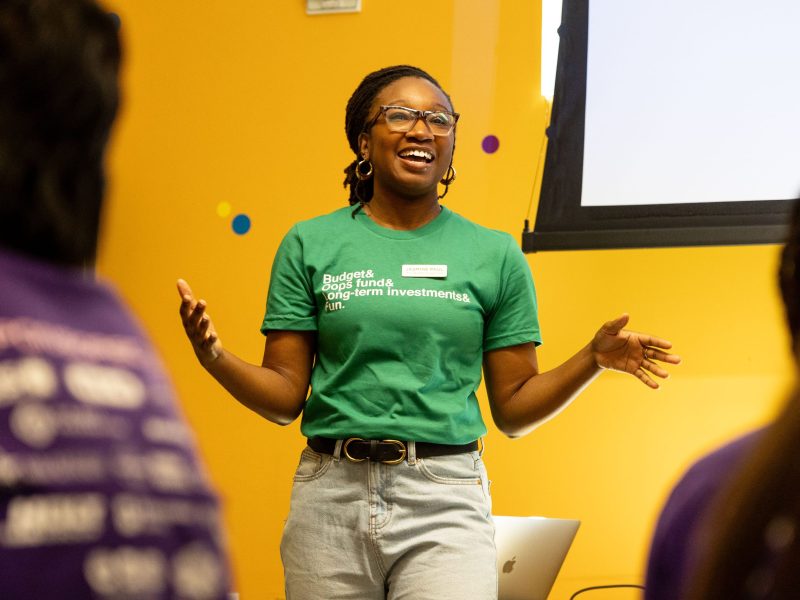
(419, 156)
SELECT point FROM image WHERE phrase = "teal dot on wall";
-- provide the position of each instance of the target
(241, 224)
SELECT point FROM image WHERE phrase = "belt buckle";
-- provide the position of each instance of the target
(347, 442)
(403, 452)
(400, 445)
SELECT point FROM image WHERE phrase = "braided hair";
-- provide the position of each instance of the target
(357, 116)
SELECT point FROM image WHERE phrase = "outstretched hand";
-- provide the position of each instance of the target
(199, 328)
(617, 349)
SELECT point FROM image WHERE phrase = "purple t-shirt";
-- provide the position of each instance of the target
(677, 538)
(101, 492)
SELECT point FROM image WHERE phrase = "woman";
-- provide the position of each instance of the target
(389, 309)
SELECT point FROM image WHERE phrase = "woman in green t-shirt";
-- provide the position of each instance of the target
(389, 310)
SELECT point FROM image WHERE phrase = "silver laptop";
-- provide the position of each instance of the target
(530, 551)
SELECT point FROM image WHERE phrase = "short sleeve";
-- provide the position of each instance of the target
(513, 319)
(290, 300)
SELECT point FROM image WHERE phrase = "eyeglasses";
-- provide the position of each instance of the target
(403, 119)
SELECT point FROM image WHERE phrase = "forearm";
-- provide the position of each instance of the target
(543, 395)
(264, 390)
(521, 397)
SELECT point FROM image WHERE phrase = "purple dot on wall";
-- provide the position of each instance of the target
(241, 224)
(490, 144)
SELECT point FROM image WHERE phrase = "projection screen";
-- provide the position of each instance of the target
(673, 124)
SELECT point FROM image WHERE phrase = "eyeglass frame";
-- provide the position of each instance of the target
(421, 114)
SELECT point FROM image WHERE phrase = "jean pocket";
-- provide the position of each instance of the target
(312, 465)
(452, 469)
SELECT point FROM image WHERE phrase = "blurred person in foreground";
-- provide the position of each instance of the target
(729, 530)
(101, 492)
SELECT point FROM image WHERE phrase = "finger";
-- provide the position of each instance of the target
(202, 326)
(187, 305)
(183, 288)
(655, 369)
(614, 326)
(654, 342)
(210, 340)
(186, 310)
(653, 354)
(642, 375)
(206, 328)
(197, 315)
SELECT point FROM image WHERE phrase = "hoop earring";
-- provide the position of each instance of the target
(449, 177)
(363, 176)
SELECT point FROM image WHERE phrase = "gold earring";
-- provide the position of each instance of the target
(360, 174)
(449, 177)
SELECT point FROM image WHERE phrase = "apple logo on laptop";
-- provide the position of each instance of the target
(509, 566)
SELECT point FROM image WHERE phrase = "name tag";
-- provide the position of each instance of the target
(439, 271)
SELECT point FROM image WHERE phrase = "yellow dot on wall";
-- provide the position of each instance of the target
(223, 209)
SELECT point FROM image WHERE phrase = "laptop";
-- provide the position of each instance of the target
(530, 552)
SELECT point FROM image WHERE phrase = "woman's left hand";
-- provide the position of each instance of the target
(617, 349)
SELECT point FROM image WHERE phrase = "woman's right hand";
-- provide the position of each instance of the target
(199, 328)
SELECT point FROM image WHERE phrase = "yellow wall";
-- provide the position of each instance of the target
(243, 102)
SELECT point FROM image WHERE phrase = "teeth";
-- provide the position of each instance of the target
(418, 154)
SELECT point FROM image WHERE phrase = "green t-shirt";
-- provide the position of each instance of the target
(403, 319)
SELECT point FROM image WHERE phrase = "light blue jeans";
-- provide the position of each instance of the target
(419, 530)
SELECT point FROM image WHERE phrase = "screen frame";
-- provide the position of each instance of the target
(562, 223)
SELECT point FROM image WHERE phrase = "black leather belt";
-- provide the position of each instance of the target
(391, 452)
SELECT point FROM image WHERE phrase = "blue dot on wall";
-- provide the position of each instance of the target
(241, 224)
(490, 144)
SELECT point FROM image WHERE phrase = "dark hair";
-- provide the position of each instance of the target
(59, 61)
(754, 532)
(357, 116)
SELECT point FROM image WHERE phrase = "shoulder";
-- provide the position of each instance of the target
(316, 231)
(460, 222)
(707, 476)
(334, 220)
(684, 511)
(715, 468)
(31, 285)
(494, 239)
